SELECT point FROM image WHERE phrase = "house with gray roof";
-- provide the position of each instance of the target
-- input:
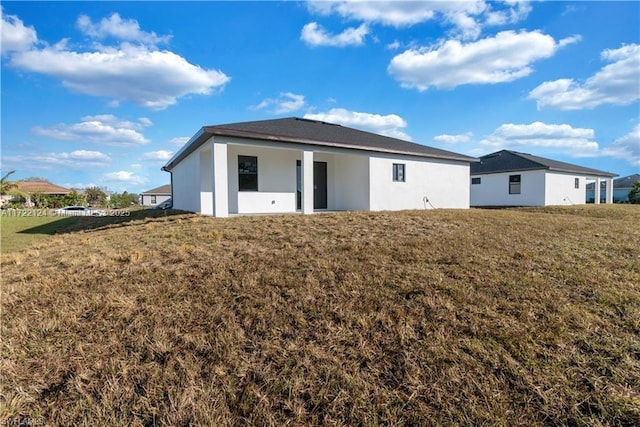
(155, 196)
(299, 165)
(621, 188)
(510, 178)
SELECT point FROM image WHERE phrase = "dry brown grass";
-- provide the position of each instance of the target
(503, 317)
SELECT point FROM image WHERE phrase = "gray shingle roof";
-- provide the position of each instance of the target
(163, 190)
(627, 181)
(314, 133)
(512, 161)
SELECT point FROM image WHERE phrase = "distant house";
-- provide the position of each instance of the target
(621, 188)
(509, 178)
(156, 195)
(301, 165)
(29, 188)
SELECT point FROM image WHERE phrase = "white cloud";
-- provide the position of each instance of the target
(86, 155)
(517, 11)
(179, 141)
(125, 177)
(626, 147)
(102, 129)
(78, 159)
(315, 35)
(79, 185)
(157, 155)
(392, 13)
(286, 103)
(14, 36)
(390, 125)
(467, 17)
(150, 78)
(395, 45)
(617, 83)
(454, 139)
(133, 70)
(505, 57)
(577, 142)
(118, 28)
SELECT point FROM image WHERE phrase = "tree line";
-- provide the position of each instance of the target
(92, 196)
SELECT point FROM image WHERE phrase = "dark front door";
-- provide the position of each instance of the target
(298, 185)
(320, 185)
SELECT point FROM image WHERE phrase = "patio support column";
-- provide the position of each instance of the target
(205, 172)
(609, 187)
(220, 180)
(596, 193)
(307, 182)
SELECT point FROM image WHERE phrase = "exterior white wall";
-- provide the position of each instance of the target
(444, 183)
(351, 172)
(186, 183)
(276, 175)
(145, 199)
(494, 189)
(355, 180)
(266, 202)
(560, 189)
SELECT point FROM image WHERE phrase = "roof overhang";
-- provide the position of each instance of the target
(205, 133)
(588, 174)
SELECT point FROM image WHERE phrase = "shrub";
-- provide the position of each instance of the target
(634, 193)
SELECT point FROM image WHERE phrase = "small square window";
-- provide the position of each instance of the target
(398, 172)
(475, 181)
(514, 184)
(576, 183)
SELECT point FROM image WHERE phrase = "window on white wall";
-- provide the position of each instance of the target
(247, 173)
(475, 181)
(514, 184)
(576, 183)
(398, 172)
(153, 200)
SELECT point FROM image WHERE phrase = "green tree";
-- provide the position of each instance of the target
(634, 193)
(74, 199)
(123, 200)
(95, 196)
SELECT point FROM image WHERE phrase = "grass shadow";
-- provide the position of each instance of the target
(89, 223)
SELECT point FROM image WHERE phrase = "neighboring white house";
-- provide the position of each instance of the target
(302, 165)
(621, 188)
(509, 178)
(156, 196)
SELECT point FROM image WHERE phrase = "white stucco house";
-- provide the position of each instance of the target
(509, 178)
(299, 165)
(621, 188)
(155, 196)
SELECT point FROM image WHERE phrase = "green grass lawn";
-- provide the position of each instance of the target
(15, 231)
(27, 228)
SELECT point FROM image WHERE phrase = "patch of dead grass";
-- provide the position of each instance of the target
(513, 317)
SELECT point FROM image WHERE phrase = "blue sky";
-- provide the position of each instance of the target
(103, 93)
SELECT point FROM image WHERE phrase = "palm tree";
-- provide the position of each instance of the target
(5, 185)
